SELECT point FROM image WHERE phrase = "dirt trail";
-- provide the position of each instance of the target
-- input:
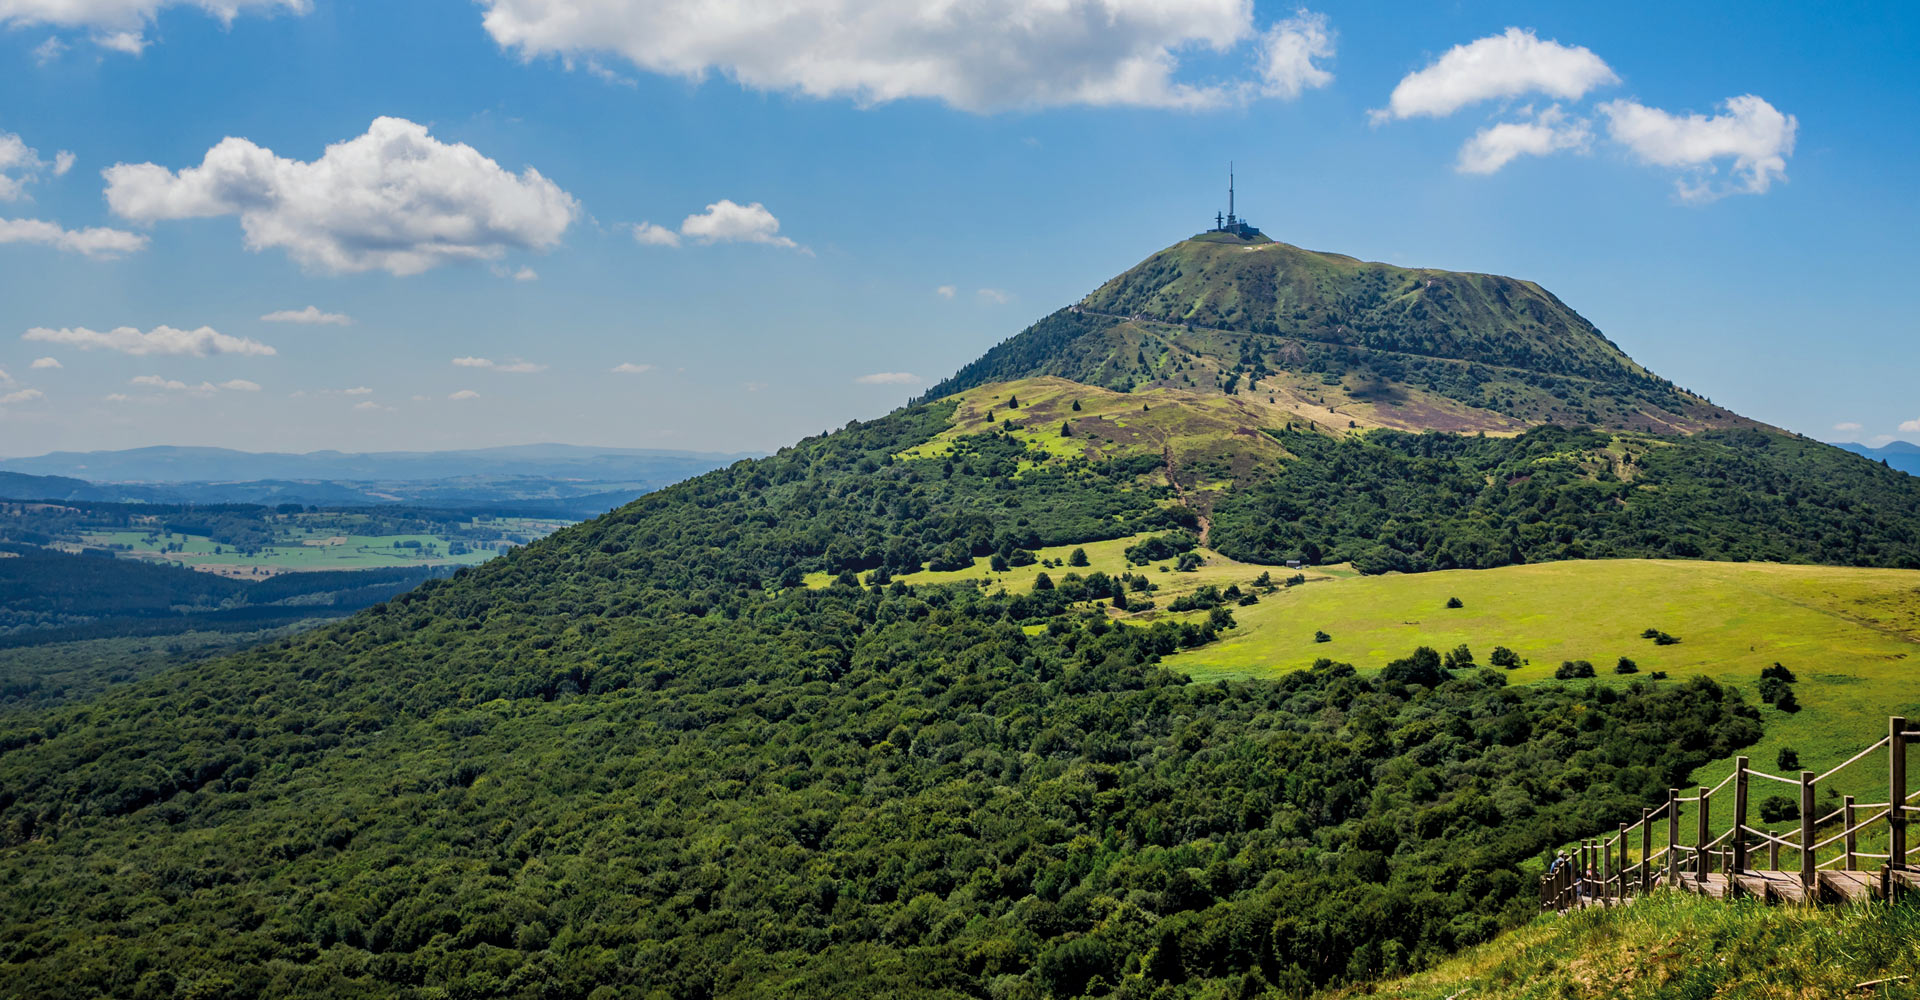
(1206, 522)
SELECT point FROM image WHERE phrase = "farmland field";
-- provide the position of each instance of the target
(297, 549)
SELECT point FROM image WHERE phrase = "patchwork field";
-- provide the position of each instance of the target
(299, 549)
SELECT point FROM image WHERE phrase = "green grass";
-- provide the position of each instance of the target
(1672, 945)
(293, 553)
(1852, 636)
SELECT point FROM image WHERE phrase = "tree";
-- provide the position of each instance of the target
(1319, 636)
(1078, 557)
(1772, 689)
(1013, 402)
(1504, 657)
(998, 563)
(1788, 759)
(1423, 667)
(1076, 406)
(1778, 671)
(1626, 666)
(1573, 670)
(1043, 582)
(1454, 602)
(1066, 429)
(1459, 657)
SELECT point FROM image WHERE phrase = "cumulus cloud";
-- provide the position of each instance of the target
(464, 394)
(310, 316)
(726, 222)
(240, 385)
(629, 368)
(1910, 426)
(22, 396)
(161, 340)
(62, 162)
(1496, 146)
(655, 235)
(1511, 64)
(1755, 135)
(368, 405)
(982, 56)
(97, 242)
(1847, 426)
(526, 274)
(49, 50)
(888, 378)
(395, 199)
(121, 25)
(994, 295)
(44, 363)
(1288, 51)
(518, 366)
(358, 390)
(945, 291)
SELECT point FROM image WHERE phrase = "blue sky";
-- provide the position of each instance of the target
(896, 193)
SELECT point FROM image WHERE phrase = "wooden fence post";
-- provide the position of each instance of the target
(1606, 870)
(1897, 790)
(1623, 863)
(1807, 805)
(1703, 861)
(1646, 851)
(1846, 817)
(1773, 855)
(1673, 836)
(1739, 814)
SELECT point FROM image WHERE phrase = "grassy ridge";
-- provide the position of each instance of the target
(1672, 945)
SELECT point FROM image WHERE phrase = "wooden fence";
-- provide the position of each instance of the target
(1601, 872)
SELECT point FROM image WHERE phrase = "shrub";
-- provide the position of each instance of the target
(1788, 703)
(1423, 667)
(1658, 675)
(1043, 582)
(1319, 636)
(1459, 658)
(1189, 561)
(1078, 557)
(1778, 671)
(1779, 809)
(1626, 666)
(998, 563)
(1454, 602)
(1504, 657)
(1574, 670)
(1788, 759)
(1772, 689)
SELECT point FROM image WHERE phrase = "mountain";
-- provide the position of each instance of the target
(547, 479)
(1902, 455)
(765, 733)
(1336, 341)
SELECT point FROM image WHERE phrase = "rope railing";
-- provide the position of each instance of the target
(1605, 870)
(1855, 759)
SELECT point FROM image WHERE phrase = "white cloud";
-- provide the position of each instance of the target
(4, 377)
(526, 274)
(1910, 426)
(198, 389)
(1506, 65)
(62, 162)
(1847, 426)
(1495, 146)
(96, 241)
(889, 378)
(41, 363)
(994, 295)
(629, 368)
(518, 366)
(1754, 134)
(49, 50)
(464, 394)
(945, 291)
(358, 390)
(120, 25)
(394, 199)
(726, 222)
(116, 397)
(161, 340)
(17, 158)
(1288, 51)
(311, 316)
(983, 55)
(22, 396)
(654, 235)
(368, 405)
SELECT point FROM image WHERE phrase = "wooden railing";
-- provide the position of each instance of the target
(1600, 872)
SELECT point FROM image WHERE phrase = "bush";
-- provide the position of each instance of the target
(1078, 557)
(1043, 582)
(1779, 809)
(1189, 561)
(1423, 667)
(1319, 636)
(1788, 703)
(1574, 670)
(1788, 759)
(1778, 671)
(1459, 658)
(1454, 602)
(1504, 657)
(1626, 666)
(1772, 689)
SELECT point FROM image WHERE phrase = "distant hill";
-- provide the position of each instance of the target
(171, 464)
(1902, 455)
(547, 479)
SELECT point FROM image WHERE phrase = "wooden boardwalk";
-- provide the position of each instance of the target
(1604, 872)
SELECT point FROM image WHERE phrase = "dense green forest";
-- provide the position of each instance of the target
(628, 758)
(1412, 502)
